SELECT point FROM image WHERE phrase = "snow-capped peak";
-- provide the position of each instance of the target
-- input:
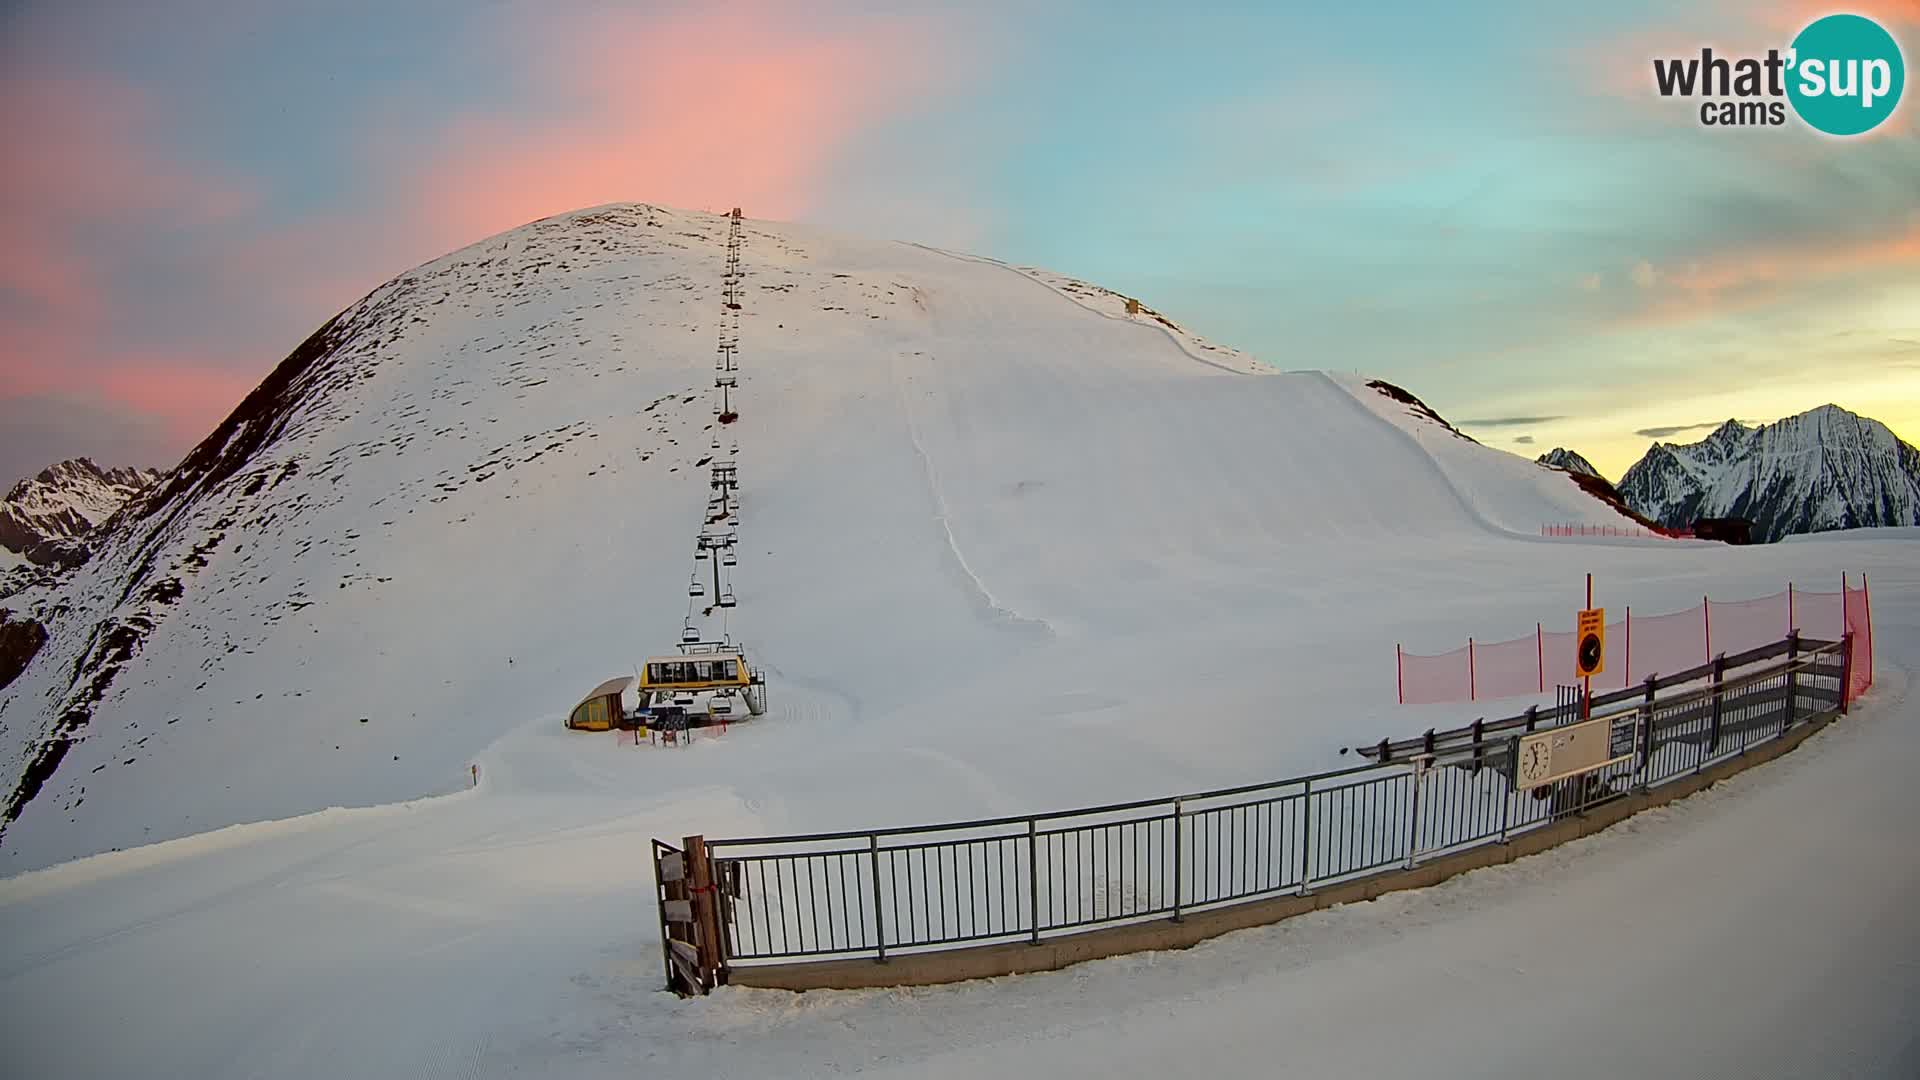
(1826, 468)
(64, 502)
(1562, 458)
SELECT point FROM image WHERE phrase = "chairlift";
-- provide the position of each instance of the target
(729, 559)
(696, 588)
(688, 635)
(700, 553)
(726, 598)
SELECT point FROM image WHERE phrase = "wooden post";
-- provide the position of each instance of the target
(706, 916)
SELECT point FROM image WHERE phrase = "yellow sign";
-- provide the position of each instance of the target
(1590, 642)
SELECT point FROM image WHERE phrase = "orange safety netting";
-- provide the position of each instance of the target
(1640, 646)
(1858, 613)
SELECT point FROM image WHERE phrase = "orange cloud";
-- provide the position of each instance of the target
(1743, 278)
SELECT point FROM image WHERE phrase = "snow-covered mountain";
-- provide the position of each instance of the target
(42, 517)
(1562, 458)
(473, 495)
(1823, 469)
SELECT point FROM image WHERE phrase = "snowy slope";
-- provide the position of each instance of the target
(1823, 469)
(1505, 491)
(472, 496)
(64, 502)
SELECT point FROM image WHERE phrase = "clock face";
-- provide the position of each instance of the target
(1536, 761)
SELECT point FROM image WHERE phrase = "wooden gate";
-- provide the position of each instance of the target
(690, 941)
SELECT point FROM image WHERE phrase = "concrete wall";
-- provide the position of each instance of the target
(985, 961)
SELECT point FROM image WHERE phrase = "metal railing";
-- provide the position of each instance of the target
(882, 892)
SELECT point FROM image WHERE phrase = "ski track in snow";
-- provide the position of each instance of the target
(942, 515)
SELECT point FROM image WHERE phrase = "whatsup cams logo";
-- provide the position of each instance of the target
(1842, 75)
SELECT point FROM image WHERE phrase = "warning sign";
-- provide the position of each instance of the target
(1590, 642)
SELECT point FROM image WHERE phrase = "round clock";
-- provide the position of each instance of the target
(1536, 761)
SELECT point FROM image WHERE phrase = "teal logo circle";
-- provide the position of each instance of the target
(1846, 76)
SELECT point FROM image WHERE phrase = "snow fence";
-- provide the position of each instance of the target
(1642, 646)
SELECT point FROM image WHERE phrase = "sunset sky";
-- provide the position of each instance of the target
(1486, 203)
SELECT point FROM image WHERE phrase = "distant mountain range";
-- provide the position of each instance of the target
(45, 518)
(1823, 469)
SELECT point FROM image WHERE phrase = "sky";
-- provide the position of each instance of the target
(1486, 203)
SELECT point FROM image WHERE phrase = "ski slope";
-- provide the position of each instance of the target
(1004, 548)
(965, 487)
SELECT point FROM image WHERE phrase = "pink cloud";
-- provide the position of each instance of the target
(185, 392)
(79, 168)
(745, 105)
(748, 105)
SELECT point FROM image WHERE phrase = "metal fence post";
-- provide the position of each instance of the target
(879, 920)
(1033, 879)
(1513, 773)
(1306, 838)
(1846, 671)
(1719, 698)
(1413, 815)
(1177, 875)
(1646, 739)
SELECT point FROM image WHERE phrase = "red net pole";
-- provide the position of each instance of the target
(1399, 675)
(1866, 601)
(1627, 650)
(1540, 655)
(1851, 642)
(1473, 691)
(1706, 620)
(1791, 622)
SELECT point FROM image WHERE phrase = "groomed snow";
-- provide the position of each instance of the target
(1002, 553)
